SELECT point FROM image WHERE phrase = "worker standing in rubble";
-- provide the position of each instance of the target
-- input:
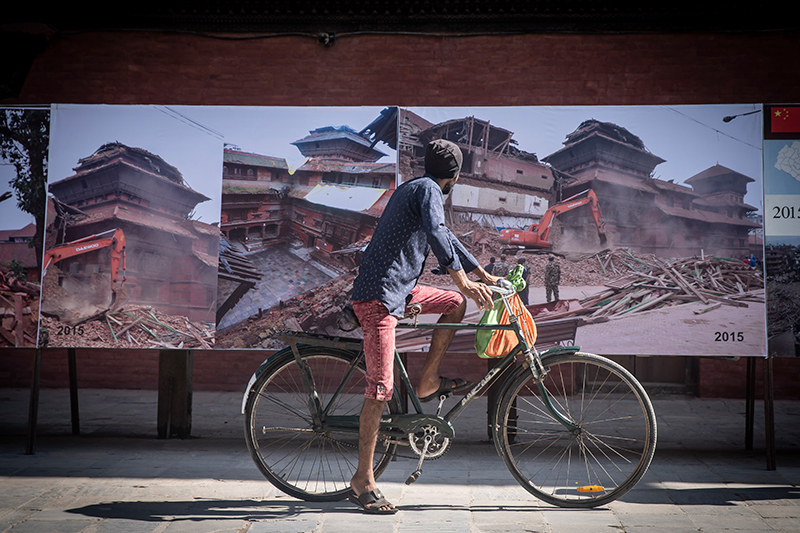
(552, 277)
(523, 294)
(490, 267)
(412, 224)
(501, 269)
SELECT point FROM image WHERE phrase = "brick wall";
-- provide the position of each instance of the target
(543, 69)
(229, 370)
(220, 370)
(116, 68)
(727, 379)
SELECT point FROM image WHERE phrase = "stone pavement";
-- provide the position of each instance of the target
(117, 477)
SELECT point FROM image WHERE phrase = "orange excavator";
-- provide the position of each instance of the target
(116, 243)
(537, 235)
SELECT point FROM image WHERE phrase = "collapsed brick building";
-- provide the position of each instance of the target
(171, 259)
(647, 214)
(321, 214)
(331, 202)
(500, 184)
(253, 199)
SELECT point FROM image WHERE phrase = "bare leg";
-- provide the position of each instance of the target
(369, 423)
(429, 379)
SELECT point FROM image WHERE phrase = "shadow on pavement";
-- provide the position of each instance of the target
(710, 496)
(198, 510)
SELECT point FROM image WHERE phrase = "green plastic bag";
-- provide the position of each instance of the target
(493, 315)
(483, 336)
(515, 277)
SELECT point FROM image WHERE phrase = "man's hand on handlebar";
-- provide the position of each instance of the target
(477, 292)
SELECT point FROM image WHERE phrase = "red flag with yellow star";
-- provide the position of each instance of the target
(785, 120)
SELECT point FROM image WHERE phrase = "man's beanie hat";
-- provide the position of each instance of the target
(443, 159)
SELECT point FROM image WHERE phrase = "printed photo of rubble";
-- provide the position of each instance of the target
(132, 241)
(295, 218)
(653, 214)
(23, 166)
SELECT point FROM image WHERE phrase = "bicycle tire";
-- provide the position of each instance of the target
(280, 435)
(601, 460)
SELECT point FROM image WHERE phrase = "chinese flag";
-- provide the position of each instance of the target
(785, 120)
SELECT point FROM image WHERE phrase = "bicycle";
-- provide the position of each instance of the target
(574, 429)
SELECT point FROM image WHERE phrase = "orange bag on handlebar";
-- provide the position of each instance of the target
(503, 341)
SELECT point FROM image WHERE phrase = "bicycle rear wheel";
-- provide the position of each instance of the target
(606, 454)
(302, 461)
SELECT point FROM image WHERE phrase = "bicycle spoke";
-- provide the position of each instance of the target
(599, 459)
(287, 407)
(298, 458)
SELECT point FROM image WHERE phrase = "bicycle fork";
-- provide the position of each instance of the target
(539, 373)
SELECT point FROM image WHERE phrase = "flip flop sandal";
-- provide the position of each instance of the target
(371, 502)
(447, 386)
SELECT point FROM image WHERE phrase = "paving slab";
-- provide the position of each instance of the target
(118, 477)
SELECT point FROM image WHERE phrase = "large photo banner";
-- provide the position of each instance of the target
(782, 226)
(203, 226)
(132, 231)
(652, 215)
(645, 223)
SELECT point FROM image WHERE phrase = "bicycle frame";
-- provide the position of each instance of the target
(521, 348)
(402, 425)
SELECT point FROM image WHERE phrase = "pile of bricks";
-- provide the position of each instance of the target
(131, 327)
(314, 311)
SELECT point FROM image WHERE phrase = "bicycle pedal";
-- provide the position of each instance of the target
(413, 477)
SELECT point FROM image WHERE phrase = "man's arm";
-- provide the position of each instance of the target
(477, 292)
(484, 276)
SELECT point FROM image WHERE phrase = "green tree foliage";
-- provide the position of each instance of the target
(24, 141)
(16, 268)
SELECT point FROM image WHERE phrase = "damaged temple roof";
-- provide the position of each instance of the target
(383, 128)
(337, 141)
(144, 160)
(322, 165)
(473, 132)
(359, 199)
(258, 160)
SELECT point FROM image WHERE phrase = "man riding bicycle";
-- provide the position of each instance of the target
(412, 225)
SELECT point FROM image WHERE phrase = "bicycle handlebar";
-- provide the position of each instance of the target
(503, 288)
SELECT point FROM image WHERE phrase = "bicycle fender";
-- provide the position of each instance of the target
(560, 350)
(258, 372)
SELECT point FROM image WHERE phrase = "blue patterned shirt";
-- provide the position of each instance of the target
(412, 224)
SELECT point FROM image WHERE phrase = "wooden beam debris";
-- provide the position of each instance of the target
(646, 285)
(142, 326)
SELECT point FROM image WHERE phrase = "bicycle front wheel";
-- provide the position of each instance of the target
(604, 453)
(299, 459)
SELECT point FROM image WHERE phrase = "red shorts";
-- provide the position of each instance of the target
(378, 326)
